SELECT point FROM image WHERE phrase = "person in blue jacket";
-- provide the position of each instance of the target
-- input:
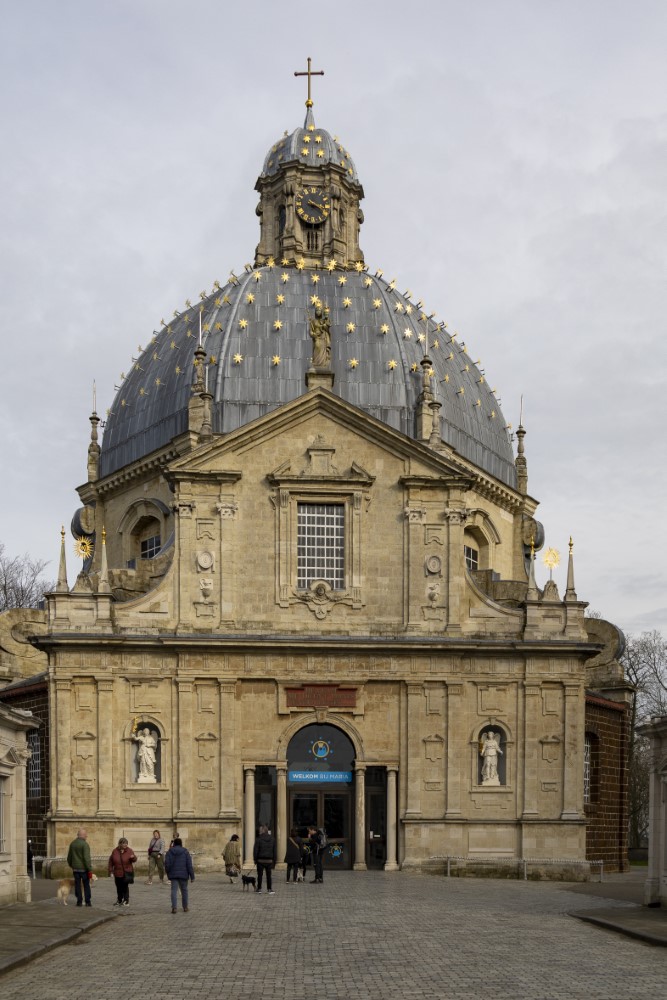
(178, 866)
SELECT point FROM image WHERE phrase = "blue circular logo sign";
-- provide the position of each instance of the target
(321, 749)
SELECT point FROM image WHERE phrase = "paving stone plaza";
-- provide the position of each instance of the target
(361, 934)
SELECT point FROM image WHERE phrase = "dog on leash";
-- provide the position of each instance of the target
(299, 875)
(248, 880)
(66, 886)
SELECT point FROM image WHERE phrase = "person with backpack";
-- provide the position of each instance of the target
(316, 842)
(264, 856)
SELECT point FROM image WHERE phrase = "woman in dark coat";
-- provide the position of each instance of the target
(121, 867)
(178, 866)
(294, 854)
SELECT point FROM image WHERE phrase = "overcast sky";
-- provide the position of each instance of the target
(514, 160)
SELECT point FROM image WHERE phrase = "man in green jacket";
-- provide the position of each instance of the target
(78, 858)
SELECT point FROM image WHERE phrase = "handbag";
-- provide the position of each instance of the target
(129, 877)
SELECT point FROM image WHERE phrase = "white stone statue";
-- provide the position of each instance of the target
(489, 748)
(146, 756)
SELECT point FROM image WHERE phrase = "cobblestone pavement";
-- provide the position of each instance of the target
(366, 935)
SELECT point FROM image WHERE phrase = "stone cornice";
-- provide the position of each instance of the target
(157, 461)
(308, 643)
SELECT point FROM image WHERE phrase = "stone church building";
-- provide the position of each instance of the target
(309, 591)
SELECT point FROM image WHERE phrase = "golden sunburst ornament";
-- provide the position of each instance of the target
(83, 547)
(551, 559)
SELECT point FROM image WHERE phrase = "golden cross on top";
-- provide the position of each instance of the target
(310, 72)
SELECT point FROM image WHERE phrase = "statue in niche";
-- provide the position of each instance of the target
(146, 756)
(320, 332)
(489, 748)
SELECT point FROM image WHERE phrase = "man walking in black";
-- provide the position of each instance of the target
(265, 857)
(315, 844)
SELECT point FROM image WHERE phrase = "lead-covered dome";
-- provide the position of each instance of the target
(309, 146)
(255, 332)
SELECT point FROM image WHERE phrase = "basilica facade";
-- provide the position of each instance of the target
(308, 592)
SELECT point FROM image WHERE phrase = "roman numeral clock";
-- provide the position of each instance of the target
(313, 205)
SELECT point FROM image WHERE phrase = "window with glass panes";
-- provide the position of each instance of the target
(34, 771)
(588, 753)
(471, 557)
(150, 547)
(321, 544)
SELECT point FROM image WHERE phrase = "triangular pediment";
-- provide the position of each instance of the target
(217, 456)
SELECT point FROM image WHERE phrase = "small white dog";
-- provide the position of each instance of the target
(299, 875)
(66, 886)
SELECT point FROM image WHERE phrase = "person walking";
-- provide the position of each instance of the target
(315, 843)
(294, 854)
(121, 862)
(156, 857)
(232, 857)
(78, 858)
(264, 856)
(179, 869)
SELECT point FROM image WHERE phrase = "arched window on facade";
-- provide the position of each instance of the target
(144, 528)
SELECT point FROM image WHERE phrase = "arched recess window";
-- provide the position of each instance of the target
(479, 540)
(492, 745)
(143, 529)
(282, 215)
(591, 768)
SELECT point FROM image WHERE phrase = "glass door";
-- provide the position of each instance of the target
(329, 811)
(376, 823)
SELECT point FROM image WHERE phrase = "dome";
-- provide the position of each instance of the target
(310, 147)
(256, 336)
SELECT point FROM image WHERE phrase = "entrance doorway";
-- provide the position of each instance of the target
(320, 778)
(329, 811)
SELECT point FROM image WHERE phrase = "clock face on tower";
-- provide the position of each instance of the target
(312, 205)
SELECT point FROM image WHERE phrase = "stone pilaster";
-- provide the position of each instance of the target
(415, 516)
(573, 732)
(185, 751)
(532, 708)
(456, 517)
(281, 832)
(228, 755)
(415, 694)
(391, 864)
(105, 754)
(456, 738)
(63, 749)
(249, 816)
(360, 817)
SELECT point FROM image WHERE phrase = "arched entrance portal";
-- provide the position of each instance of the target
(320, 784)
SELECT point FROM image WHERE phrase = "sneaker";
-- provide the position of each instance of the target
(126, 902)
(118, 903)
(271, 892)
(148, 881)
(89, 904)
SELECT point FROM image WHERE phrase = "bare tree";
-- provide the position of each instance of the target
(645, 662)
(22, 584)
